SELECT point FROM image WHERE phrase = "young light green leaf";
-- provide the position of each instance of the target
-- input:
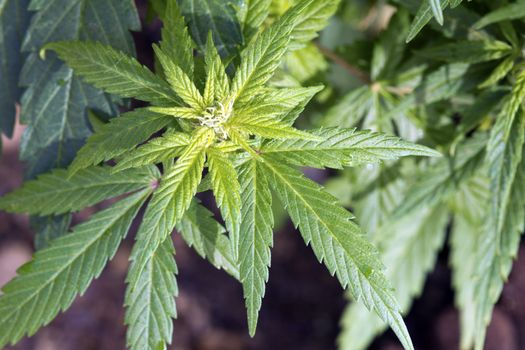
(176, 41)
(204, 234)
(262, 56)
(180, 81)
(151, 302)
(227, 192)
(118, 136)
(57, 193)
(266, 126)
(257, 237)
(178, 112)
(65, 268)
(277, 103)
(337, 241)
(217, 81)
(177, 188)
(339, 147)
(158, 150)
(113, 71)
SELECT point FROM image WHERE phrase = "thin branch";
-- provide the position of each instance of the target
(356, 72)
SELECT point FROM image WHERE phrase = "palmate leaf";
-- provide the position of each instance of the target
(257, 237)
(63, 270)
(119, 136)
(204, 234)
(177, 188)
(409, 248)
(262, 56)
(227, 192)
(339, 147)
(336, 241)
(113, 71)
(56, 193)
(158, 150)
(14, 19)
(151, 302)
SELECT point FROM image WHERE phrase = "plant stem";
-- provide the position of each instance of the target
(356, 72)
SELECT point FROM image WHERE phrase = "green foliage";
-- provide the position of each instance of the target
(222, 118)
(56, 193)
(66, 268)
(14, 19)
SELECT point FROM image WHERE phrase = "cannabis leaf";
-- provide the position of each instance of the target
(499, 244)
(151, 304)
(57, 193)
(55, 101)
(337, 242)
(118, 136)
(113, 71)
(254, 247)
(409, 248)
(202, 232)
(344, 147)
(58, 273)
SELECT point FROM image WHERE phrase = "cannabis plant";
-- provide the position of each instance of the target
(207, 115)
(246, 94)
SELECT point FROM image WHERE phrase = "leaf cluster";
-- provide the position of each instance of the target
(216, 121)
